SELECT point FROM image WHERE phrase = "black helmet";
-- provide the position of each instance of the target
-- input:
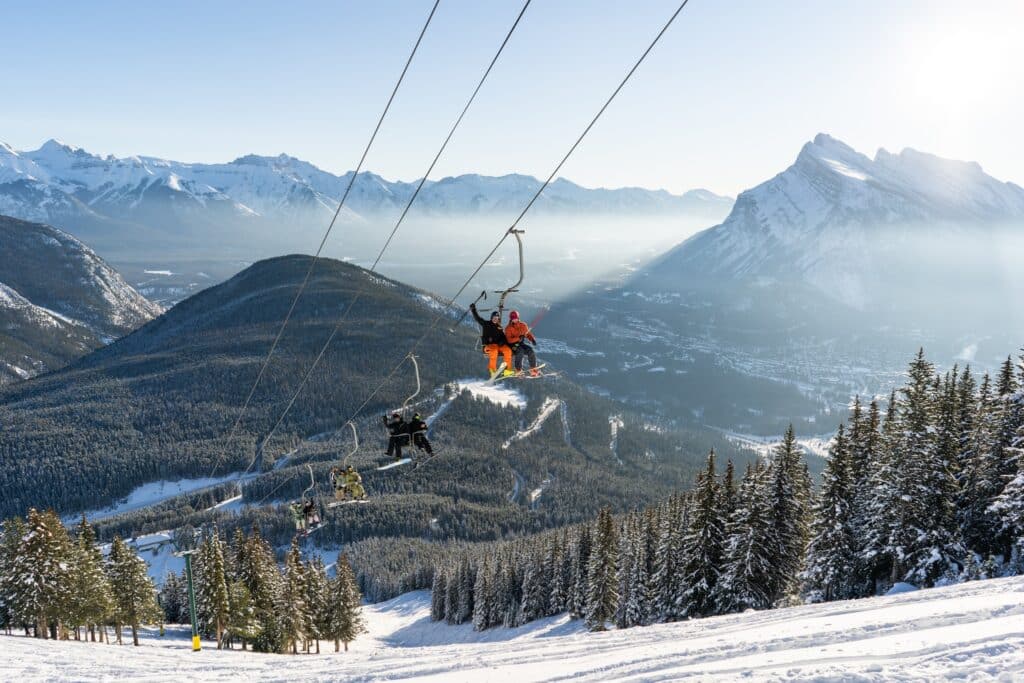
(394, 415)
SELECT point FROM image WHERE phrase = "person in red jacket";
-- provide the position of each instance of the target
(517, 333)
(493, 338)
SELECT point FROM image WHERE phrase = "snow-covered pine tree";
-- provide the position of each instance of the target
(729, 492)
(173, 599)
(466, 580)
(602, 589)
(134, 593)
(581, 563)
(980, 482)
(667, 579)
(884, 504)
(438, 592)
(535, 591)
(212, 589)
(1010, 416)
(13, 533)
(296, 616)
(831, 552)
(317, 598)
(554, 569)
(92, 599)
(483, 594)
(703, 545)
(451, 597)
(624, 576)
(258, 571)
(242, 619)
(749, 549)
(638, 604)
(42, 571)
(863, 442)
(925, 544)
(347, 621)
(787, 493)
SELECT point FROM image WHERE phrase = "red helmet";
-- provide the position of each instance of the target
(513, 315)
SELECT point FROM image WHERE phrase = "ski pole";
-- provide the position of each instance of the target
(483, 295)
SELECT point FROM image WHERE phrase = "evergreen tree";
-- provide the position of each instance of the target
(484, 598)
(602, 590)
(749, 551)
(581, 564)
(830, 554)
(91, 596)
(787, 515)
(466, 579)
(134, 593)
(980, 482)
(296, 616)
(242, 619)
(703, 545)
(535, 592)
(346, 620)
(438, 592)
(258, 572)
(42, 573)
(317, 598)
(13, 533)
(212, 593)
(884, 504)
(173, 599)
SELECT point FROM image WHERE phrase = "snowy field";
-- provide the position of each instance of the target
(974, 631)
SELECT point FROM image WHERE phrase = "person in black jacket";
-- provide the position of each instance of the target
(398, 428)
(493, 338)
(418, 431)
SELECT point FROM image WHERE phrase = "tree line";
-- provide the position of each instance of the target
(931, 493)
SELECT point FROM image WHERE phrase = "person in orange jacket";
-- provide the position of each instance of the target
(517, 333)
(493, 338)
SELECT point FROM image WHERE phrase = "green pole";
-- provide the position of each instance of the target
(196, 647)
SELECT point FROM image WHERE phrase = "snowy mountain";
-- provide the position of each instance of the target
(236, 201)
(819, 284)
(841, 222)
(58, 300)
(970, 631)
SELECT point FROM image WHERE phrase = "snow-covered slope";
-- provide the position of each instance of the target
(836, 219)
(969, 632)
(58, 299)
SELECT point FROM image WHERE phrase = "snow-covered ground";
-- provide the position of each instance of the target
(498, 393)
(157, 492)
(974, 631)
(550, 405)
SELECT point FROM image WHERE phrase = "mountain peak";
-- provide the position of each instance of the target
(55, 146)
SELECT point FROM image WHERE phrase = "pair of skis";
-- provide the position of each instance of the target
(406, 461)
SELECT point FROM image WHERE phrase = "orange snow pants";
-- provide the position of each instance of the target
(492, 351)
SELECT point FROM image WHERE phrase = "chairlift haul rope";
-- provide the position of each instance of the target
(512, 229)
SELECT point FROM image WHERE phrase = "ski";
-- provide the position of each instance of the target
(390, 465)
(306, 532)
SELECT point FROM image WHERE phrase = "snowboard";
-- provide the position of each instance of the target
(397, 463)
(306, 532)
(526, 374)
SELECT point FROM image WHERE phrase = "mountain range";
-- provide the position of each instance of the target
(144, 198)
(58, 300)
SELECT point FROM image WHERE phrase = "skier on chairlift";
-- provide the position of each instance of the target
(418, 430)
(494, 341)
(398, 429)
(311, 514)
(348, 485)
(518, 333)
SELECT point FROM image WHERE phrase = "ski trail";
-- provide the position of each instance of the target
(616, 423)
(566, 431)
(549, 406)
(517, 485)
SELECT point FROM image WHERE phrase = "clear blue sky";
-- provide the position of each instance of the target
(725, 101)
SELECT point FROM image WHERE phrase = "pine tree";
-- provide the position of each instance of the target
(925, 543)
(831, 551)
(749, 551)
(884, 504)
(624, 577)
(602, 590)
(173, 599)
(703, 545)
(667, 579)
(581, 563)
(91, 596)
(13, 533)
(865, 460)
(212, 593)
(317, 598)
(535, 592)
(787, 515)
(258, 572)
(296, 616)
(134, 593)
(466, 580)
(346, 620)
(242, 618)
(42, 592)
(554, 569)
(483, 592)
(980, 482)
(438, 592)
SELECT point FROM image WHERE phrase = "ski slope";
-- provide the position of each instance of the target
(973, 631)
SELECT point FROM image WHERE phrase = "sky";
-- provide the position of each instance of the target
(724, 102)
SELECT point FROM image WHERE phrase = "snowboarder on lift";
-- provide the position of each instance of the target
(347, 484)
(418, 429)
(517, 333)
(311, 515)
(398, 429)
(494, 341)
(298, 515)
